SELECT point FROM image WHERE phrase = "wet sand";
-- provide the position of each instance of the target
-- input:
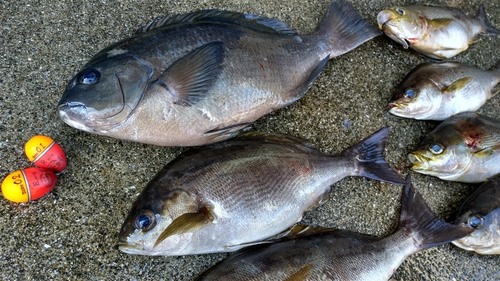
(71, 234)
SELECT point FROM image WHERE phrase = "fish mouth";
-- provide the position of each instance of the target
(397, 105)
(419, 162)
(388, 29)
(130, 248)
(398, 109)
(67, 114)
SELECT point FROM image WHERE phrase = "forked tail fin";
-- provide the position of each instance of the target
(368, 156)
(489, 29)
(344, 29)
(418, 219)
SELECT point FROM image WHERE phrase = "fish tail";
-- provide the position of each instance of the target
(418, 219)
(489, 29)
(345, 28)
(368, 156)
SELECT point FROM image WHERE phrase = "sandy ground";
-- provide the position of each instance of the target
(71, 233)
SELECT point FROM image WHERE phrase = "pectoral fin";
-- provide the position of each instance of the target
(457, 85)
(440, 23)
(189, 79)
(186, 223)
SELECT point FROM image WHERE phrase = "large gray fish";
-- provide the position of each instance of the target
(464, 148)
(201, 77)
(436, 91)
(438, 32)
(231, 194)
(481, 212)
(340, 254)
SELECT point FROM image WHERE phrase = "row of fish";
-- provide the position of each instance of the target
(436, 91)
(202, 77)
(249, 190)
(465, 147)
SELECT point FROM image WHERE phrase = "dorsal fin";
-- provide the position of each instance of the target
(250, 21)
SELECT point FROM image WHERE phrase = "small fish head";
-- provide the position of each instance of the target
(481, 212)
(104, 94)
(442, 154)
(149, 217)
(417, 101)
(485, 239)
(401, 25)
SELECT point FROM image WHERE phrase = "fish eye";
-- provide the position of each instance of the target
(475, 221)
(400, 11)
(436, 148)
(145, 220)
(410, 94)
(89, 77)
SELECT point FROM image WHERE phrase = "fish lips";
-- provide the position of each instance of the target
(82, 117)
(420, 162)
(130, 248)
(398, 109)
(384, 17)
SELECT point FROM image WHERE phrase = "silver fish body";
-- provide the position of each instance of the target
(201, 77)
(481, 212)
(436, 91)
(437, 32)
(340, 254)
(464, 148)
(239, 192)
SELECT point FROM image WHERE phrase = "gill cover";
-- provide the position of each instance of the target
(105, 94)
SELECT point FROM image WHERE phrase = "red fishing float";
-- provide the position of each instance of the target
(44, 152)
